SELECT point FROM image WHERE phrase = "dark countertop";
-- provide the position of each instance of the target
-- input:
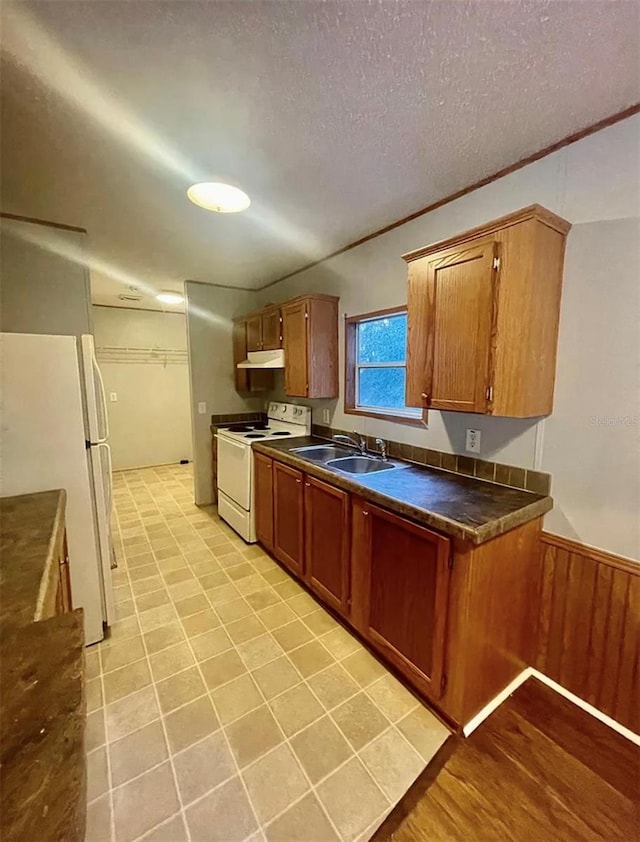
(42, 707)
(460, 506)
(42, 721)
(31, 533)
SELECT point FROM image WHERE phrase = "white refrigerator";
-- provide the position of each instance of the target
(54, 434)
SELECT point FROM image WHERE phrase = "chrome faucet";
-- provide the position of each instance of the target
(383, 448)
(361, 446)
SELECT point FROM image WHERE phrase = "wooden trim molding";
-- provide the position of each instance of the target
(376, 314)
(476, 185)
(589, 626)
(601, 556)
(350, 351)
(45, 222)
(396, 419)
(467, 238)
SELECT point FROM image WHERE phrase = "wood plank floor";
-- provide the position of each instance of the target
(539, 769)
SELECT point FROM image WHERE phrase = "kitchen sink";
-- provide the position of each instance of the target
(321, 452)
(360, 465)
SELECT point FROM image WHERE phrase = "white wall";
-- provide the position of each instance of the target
(595, 184)
(41, 290)
(150, 422)
(210, 313)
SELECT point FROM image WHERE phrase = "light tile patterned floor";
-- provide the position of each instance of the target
(227, 704)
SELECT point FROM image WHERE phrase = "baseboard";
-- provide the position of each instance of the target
(495, 703)
(155, 464)
(529, 672)
(607, 720)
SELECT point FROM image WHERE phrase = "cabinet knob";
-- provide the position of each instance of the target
(298, 480)
(307, 485)
(365, 513)
(424, 396)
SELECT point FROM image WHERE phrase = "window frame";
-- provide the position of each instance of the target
(351, 368)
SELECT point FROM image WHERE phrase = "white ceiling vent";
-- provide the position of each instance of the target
(130, 296)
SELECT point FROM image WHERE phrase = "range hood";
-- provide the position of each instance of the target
(263, 359)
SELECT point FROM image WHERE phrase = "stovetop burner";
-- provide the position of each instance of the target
(239, 428)
(255, 436)
(261, 426)
(281, 433)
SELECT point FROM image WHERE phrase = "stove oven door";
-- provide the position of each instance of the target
(234, 470)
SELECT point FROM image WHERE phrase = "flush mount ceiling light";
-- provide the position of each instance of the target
(168, 297)
(219, 197)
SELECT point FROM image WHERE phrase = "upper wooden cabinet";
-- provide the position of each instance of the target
(307, 329)
(271, 329)
(246, 379)
(295, 343)
(310, 342)
(254, 333)
(483, 312)
(263, 330)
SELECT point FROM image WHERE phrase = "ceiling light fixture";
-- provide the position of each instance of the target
(168, 297)
(219, 197)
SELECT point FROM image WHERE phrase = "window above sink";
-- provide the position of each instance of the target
(376, 367)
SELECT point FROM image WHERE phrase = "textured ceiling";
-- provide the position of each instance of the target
(336, 118)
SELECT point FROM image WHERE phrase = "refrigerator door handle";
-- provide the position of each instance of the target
(94, 391)
(103, 399)
(113, 563)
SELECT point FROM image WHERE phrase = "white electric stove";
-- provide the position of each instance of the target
(235, 461)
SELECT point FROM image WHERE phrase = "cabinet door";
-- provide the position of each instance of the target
(254, 333)
(263, 499)
(322, 348)
(271, 338)
(294, 337)
(401, 587)
(451, 314)
(288, 517)
(240, 375)
(246, 379)
(327, 542)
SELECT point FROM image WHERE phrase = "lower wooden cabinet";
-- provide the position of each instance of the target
(288, 517)
(457, 620)
(327, 542)
(401, 590)
(263, 494)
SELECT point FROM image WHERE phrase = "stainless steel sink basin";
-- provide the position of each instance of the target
(360, 465)
(321, 452)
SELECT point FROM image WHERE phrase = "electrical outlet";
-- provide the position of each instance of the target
(113, 396)
(473, 441)
(326, 416)
(202, 408)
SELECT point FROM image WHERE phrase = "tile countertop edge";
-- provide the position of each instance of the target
(476, 535)
(51, 564)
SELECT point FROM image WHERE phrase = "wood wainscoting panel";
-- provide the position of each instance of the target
(589, 626)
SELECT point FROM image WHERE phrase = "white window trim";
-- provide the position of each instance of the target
(407, 412)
